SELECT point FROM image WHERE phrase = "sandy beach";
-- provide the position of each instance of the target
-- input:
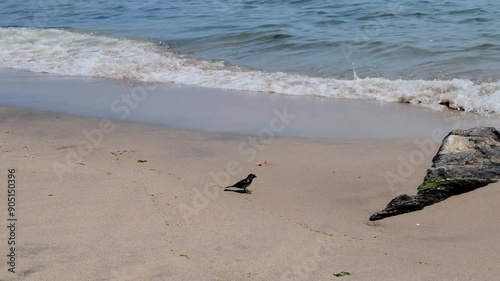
(114, 200)
(122, 123)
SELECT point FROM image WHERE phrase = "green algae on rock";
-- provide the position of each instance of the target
(467, 160)
(452, 185)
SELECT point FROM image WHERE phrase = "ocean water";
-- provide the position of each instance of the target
(437, 54)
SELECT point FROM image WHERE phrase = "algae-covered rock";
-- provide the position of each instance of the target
(466, 160)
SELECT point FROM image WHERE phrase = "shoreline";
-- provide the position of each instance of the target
(225, 111)
(146, 200)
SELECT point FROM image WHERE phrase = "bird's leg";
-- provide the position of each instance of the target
(248, 191)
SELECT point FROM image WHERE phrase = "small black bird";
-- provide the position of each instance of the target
(244, 183)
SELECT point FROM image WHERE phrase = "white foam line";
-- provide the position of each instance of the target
(85, 54)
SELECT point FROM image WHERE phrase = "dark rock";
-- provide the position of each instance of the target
(466, 155)
(466, 160)
(402, 204)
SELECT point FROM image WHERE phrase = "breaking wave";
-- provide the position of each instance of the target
(75, 53)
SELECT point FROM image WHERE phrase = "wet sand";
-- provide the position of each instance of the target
(224, 111)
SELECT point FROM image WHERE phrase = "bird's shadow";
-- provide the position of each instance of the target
(236, 190)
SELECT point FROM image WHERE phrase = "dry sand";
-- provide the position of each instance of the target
(113, 218)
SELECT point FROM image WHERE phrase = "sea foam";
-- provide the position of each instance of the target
(75, 53)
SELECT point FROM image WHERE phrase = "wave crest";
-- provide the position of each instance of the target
(73, 53)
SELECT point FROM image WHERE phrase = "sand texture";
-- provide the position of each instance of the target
(142, 204)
